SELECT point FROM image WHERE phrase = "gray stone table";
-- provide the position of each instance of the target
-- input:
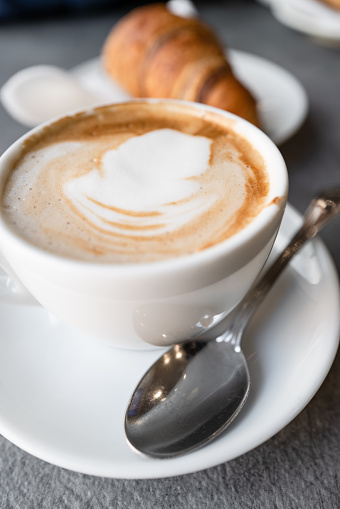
(299, 467)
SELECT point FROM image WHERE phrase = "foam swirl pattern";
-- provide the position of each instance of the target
(134, 184)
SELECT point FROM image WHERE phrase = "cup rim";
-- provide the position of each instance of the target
(270, 212)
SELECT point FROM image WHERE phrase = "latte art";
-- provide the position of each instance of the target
(147, 186)
(134, 183)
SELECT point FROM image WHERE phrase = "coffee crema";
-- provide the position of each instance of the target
(134, 183)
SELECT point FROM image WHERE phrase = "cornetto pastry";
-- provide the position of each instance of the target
(333, 3)
(151, 52)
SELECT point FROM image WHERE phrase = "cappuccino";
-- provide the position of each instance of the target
(133, 183)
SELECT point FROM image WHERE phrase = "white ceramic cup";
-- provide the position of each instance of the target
(158, 303)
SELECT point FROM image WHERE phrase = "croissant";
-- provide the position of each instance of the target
(151, 52)
(333, 3)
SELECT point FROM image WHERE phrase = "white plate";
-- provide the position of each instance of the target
(63, 396)
(312, 17)
(26, 96)
(282, 101)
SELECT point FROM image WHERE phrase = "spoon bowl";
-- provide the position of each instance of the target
(186, 372)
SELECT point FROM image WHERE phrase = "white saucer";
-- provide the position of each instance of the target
(26, 96)
(63, 396)
(282, 101)
(312, 17)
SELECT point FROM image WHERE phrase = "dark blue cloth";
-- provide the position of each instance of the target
(14, 8)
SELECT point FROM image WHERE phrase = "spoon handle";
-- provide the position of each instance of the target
(324, 207)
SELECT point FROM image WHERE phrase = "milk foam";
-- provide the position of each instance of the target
(148, 181)
(135, 183)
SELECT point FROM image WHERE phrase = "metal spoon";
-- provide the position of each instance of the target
(193, 392)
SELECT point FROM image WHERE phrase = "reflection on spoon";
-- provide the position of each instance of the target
(193, 392)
